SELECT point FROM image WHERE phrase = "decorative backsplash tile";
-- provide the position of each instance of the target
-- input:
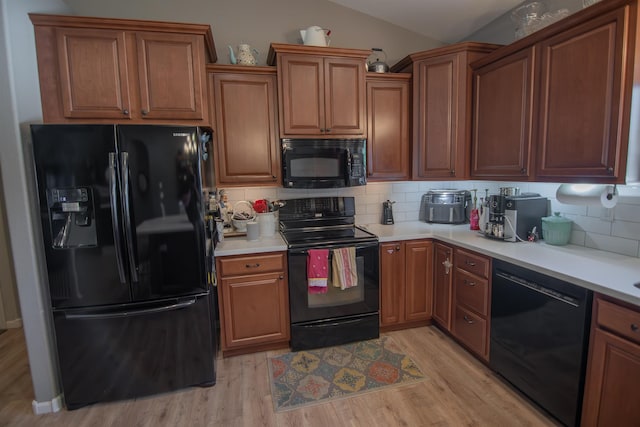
(613, 230)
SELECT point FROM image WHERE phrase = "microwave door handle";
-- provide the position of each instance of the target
(348, 163)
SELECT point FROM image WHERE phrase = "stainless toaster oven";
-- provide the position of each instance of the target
(446, 206)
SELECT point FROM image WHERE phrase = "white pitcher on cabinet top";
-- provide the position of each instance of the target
(315, 36)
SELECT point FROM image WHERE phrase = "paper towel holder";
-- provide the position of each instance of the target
(588, 194)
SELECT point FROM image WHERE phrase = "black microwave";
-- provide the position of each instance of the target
(324, 163)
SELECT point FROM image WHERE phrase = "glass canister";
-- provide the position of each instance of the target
(556, 229)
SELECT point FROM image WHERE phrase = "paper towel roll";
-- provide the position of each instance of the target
(587, 194)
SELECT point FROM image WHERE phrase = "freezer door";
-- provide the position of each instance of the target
(135, 350)
(164, 226)
(77, 191)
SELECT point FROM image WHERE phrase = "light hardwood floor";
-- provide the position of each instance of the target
(459, 391)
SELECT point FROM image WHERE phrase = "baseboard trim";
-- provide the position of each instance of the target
(15, 323)
(53, 405)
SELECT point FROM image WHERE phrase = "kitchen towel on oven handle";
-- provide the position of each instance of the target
(317, 270)
(345, 272)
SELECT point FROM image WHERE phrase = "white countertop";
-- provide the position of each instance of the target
(605, 272)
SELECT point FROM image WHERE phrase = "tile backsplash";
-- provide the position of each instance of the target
(612, 230)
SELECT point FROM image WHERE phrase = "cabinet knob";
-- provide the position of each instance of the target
(125, 112)
(256, 265)
(321, 129)
(447, 265)
(468, 283)
(468, 320)
(273, 177)
(470, 263)
(398, 248)
(610, 170)
(144, 112)
(452, 172)
(634, 327)
(328, 130)
(523, 171)
(281, 277)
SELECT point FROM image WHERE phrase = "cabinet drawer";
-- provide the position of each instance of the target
(240, 265)
(472, 291)
(471, 330)
(618, 319)
(472, 263)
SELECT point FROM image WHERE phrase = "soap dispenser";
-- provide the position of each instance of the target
(387, 212)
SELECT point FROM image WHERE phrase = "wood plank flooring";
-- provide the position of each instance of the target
(459, 391)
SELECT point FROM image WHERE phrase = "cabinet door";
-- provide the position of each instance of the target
(301, 94)
(255, 309)
(171, 75)
(344, 88)
(418, 280)
(580, 103)
(93, 73)
(501, 136)
(436, 106)
(388, 129)
(442, 284)
(391, 283)
(246, 138)
(611, 389)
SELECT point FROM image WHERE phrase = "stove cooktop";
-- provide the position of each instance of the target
(327, 237)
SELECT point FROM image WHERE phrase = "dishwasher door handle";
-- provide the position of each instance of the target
(539, 289)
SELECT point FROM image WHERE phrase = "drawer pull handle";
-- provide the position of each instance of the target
(466, 282)
(256, 265)
(468, 320)
(470, 263)
(634, 327)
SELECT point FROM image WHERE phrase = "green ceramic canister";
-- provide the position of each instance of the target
(556, 229)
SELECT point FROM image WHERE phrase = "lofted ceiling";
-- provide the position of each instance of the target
(445, 20)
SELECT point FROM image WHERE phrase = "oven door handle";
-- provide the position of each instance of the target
(342, 245)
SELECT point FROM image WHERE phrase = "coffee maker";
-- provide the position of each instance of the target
(513, 216)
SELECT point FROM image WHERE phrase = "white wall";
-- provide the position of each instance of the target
(20, 104)
(613, 230)
(260, 22)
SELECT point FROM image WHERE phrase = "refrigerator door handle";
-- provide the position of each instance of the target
(113, 196)
(131, 313)
(128, 229)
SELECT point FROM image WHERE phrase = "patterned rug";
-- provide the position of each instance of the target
(316, 376)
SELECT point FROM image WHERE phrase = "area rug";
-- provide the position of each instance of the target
(316, 376)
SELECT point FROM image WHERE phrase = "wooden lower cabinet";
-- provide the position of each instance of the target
(613, 373)
(406, 283)
(471, 301)
(442, 284)
(254, 302)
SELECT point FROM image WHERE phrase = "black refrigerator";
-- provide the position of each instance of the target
(125, 244)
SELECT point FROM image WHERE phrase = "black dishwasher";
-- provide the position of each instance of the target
(539, 337)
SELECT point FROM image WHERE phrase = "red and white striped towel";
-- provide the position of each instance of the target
(345, 270)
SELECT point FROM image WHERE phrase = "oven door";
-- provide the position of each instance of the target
(335, 303)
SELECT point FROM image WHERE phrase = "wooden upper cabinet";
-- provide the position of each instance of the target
(557, 105)
(441, 109)
(581, 90)
(101, 70)
(92, 66)
(170, 75)
(321, 91)
(388, 133)
(245, 125)
(502, 117)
